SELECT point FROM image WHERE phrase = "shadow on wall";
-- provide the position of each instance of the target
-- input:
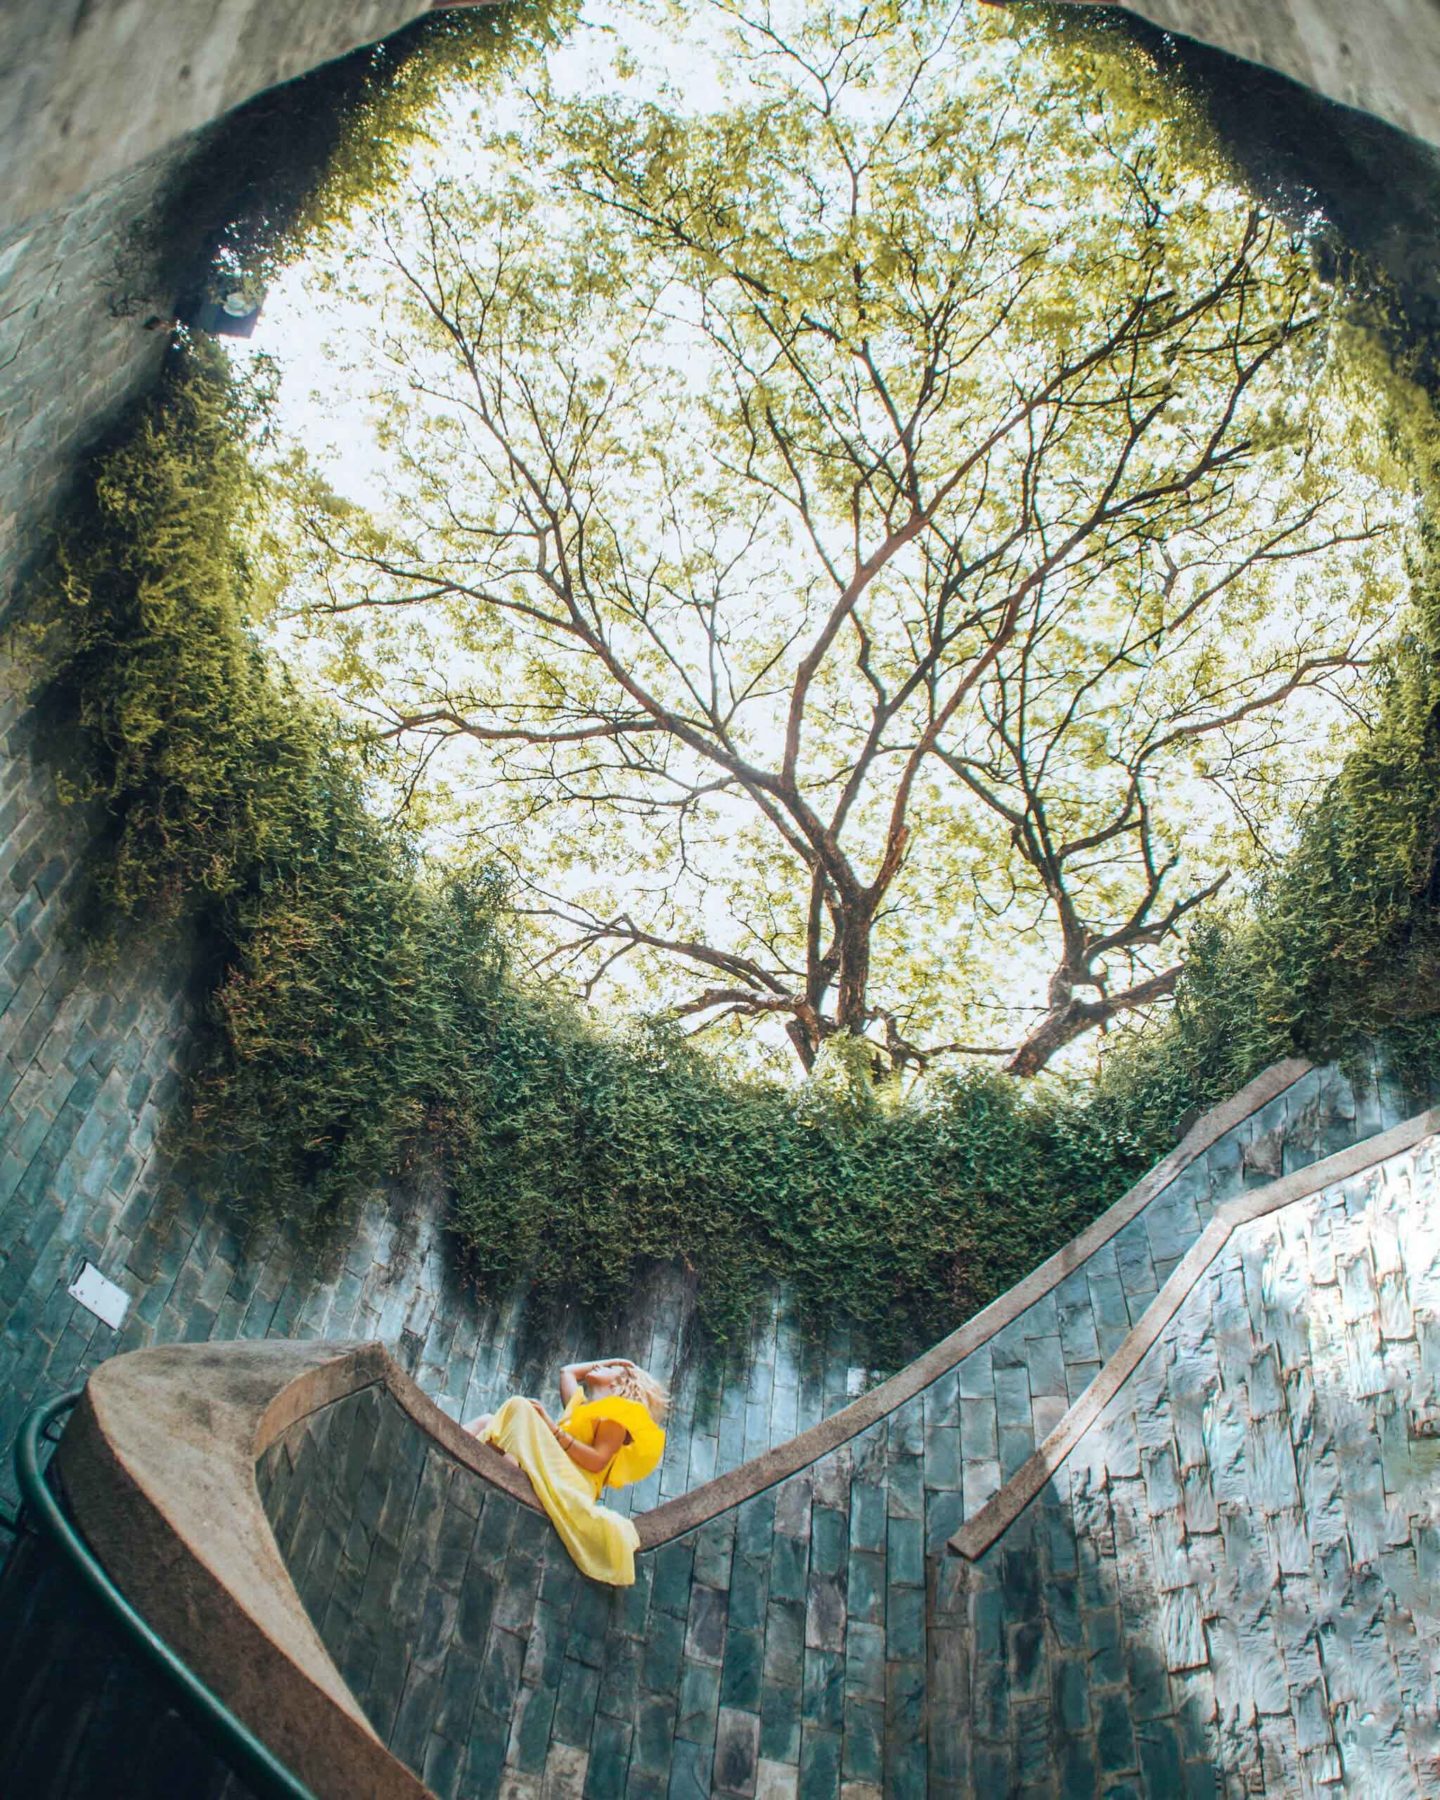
(1378, 187)
(77, 1705)
(1047, 1650)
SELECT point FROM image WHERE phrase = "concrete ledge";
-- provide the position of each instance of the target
(158, 1463)
(1000, 1512)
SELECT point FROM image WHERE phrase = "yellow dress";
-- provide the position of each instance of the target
(602, 1543)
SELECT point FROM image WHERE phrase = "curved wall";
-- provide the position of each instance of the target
(1237, 1566)
(373, 1591)
(1383, 59)
(796, 1639)
(79, 1714)
(88, 1059)
(88, 91)
(90, 1052)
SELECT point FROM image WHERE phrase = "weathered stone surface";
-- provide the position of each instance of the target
(1386, 62)
(88, 92)
(1254, 1534)
(1150, 1618)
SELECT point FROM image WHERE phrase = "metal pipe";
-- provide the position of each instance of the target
(258, 1766)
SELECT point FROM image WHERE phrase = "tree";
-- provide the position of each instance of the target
(855, 526)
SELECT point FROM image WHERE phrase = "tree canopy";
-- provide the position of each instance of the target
(871, 552)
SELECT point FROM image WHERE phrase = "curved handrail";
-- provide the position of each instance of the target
(258, 1766)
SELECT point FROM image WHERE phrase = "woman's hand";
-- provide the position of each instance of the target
(539, 1407)
(573, 1374)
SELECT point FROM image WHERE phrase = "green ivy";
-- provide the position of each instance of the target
(292, 162)
(361, 1017)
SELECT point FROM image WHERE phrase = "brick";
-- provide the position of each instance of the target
(663, 1649)
(705, 1632)
(737, 1753)
(823, 1689)
(788, 1568)
(690, 1771)
(779, 1728)
(673, 1568)
(609, 1760)
(867, 1516)
(776, 1779)
(697, 1702)
(654, 1735)
(530, 1728)
(819, 1763)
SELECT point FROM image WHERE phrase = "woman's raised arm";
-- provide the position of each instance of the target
(570, 1378)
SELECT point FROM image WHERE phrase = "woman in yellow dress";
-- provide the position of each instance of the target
(607, 1436)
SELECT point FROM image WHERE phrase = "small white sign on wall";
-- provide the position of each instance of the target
(100, 1295)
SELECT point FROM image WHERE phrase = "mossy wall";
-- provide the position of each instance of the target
(817, 1639)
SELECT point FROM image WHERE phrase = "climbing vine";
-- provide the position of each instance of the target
(288, 166)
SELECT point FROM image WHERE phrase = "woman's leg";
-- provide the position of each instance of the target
(478, 1428)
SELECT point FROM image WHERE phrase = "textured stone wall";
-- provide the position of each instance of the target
(89, 1048)
(1231, 1587)
(785, 1647)
(75, 291)
(194, 1274)
(88, 91)
(89, 1058)
(87, 1073)
(80, 1717)
(1383, 58)
(90, 1052)
(780, 1648)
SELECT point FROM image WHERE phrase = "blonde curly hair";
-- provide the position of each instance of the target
(641, 1385)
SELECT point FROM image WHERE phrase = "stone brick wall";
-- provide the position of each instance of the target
(74, 294)
(781, 1644)
(93, 1185)
(89, 1049)
(773, 1651)
(88, 1053)
(1231, 1586)
(80, 1717)
(789, 1645)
